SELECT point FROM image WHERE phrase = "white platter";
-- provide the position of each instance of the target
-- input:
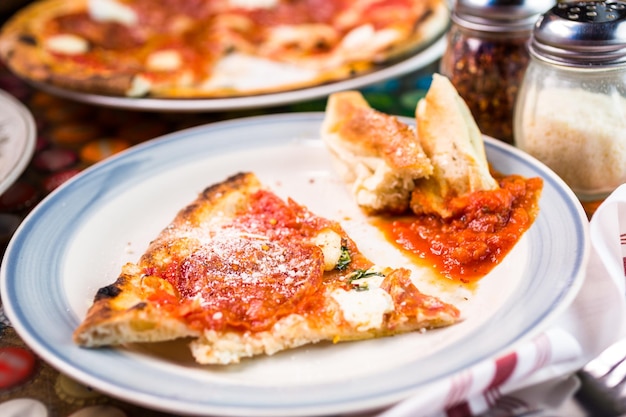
(76, 240)
(17, 139)
(419, 60)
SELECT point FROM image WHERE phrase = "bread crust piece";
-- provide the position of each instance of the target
(454, 144)
(378, 156)
(213, 274)
(390, 168)
(24, 37)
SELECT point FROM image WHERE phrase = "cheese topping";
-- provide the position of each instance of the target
(67, 44)
(329, 242)
(365, 309)
(111, 11)
(140, 87)
(358, 37)
(254, 4)
(364, 40)
(165, 60)
(244, 72)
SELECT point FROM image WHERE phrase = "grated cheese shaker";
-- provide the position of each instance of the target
(570, 111)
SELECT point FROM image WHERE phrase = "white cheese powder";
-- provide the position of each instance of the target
(247, 73)
(580, 135)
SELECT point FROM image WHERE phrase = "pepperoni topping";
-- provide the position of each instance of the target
(251, 271)
(298, 12)
(248, 283)
(108, 35)
(157, 13)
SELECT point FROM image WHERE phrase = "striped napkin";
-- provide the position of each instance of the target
(538, 374)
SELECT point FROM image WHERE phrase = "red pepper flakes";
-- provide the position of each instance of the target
(487, 70)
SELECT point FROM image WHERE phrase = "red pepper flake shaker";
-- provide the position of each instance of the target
(486, 57)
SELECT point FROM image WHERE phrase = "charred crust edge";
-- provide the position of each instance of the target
(231, 182)
(108, 292)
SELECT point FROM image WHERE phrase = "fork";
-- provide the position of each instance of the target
(603, 382)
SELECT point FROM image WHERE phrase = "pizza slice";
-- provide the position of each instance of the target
(242, 272)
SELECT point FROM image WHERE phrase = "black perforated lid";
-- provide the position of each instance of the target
(582, 33)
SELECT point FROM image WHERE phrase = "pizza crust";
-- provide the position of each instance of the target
(120, 313)
(379, 157)
(454, 144)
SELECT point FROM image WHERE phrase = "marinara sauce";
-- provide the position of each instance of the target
(483, 229)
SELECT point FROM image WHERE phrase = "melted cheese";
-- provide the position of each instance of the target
(140, 87)
(165, 60)
(254, 4)
(330, 243)
(111, 11)
(365, 309)
(247, 73)
(67, 44)
(365, 40)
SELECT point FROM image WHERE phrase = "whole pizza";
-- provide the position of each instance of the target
(212, 48)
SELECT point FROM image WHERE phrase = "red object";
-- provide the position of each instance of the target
(53, 181)
(19, 196)
(54, 159)
(16, 366)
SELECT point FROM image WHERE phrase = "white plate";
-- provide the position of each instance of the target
(415, 62)
(76, 240)
(17, 139)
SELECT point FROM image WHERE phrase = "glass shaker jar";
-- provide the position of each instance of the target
(571, 108)
(486, 56)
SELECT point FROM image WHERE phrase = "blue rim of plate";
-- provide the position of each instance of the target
(29, 278)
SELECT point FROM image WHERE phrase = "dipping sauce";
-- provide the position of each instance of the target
(483, 229)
